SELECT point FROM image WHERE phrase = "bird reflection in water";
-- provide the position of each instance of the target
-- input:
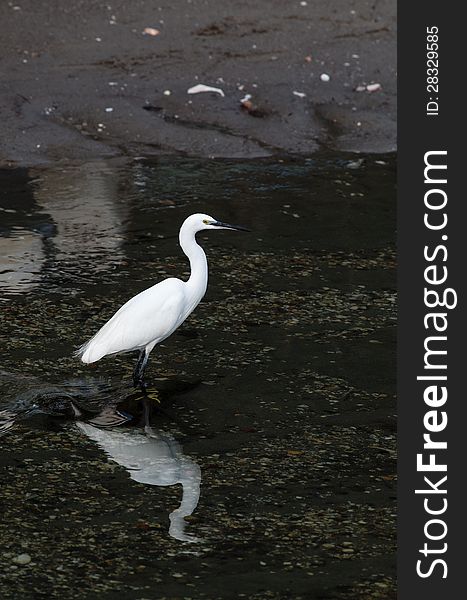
(150, 456)
(153, 457)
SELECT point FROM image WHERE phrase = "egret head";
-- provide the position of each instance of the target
(199, 222)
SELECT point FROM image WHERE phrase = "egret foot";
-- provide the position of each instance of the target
(143, 385)
(148, 400)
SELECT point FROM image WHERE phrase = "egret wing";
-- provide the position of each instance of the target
(150, 316)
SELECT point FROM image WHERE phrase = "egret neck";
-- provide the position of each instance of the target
(198, 281)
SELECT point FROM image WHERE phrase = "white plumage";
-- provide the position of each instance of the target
(147, 318)
(154, 314)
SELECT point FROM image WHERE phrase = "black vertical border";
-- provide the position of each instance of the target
(417, 134)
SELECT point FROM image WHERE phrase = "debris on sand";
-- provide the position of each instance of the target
(299, 94)
(251, 108)
(247, 104)
(197, 89)
(150, 31)
(371, 87)
(152, 107)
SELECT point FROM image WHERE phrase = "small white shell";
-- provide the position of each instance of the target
(197, 89)
(150, 31)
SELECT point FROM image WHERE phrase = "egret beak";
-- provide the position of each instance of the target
(222, 225)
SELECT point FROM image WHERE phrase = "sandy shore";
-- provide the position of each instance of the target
(81, 80)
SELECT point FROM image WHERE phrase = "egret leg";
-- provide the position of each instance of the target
(138, 381)
(147, 410)
(138, 373)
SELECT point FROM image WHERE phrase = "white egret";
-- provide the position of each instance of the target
(154, 314)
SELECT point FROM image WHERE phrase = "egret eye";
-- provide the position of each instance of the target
(205, 221)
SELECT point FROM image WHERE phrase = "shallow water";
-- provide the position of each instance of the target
(269, 468)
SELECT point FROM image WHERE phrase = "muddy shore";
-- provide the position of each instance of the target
(81, 80)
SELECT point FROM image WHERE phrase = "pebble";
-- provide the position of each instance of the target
(22, 559)
(325, 77)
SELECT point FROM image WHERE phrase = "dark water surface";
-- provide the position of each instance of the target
(269, 469)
